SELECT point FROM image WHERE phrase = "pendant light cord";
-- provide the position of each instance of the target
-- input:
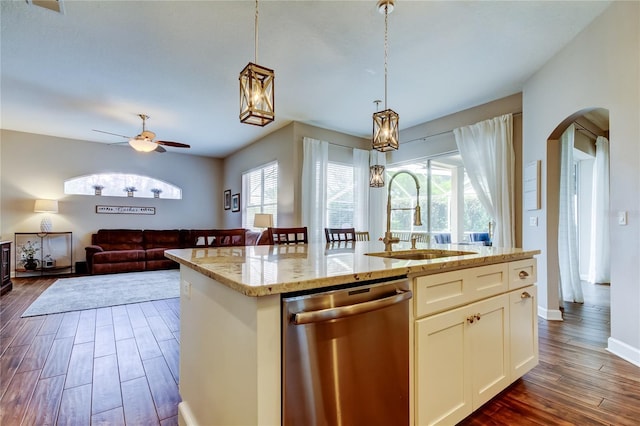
(255, 53)
(386, 43)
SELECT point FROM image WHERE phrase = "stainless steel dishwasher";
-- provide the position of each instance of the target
(346, 355)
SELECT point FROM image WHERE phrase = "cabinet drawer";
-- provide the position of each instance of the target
(438, 292)
(522, 273)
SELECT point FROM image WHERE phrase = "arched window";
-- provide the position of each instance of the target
(121, 185)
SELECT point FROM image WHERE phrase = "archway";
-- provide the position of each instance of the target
(589, 124)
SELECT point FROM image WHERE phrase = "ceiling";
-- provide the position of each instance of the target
(99, 64)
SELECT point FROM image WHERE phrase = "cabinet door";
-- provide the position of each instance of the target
(443, 391)
(489, 347)
(523, 313)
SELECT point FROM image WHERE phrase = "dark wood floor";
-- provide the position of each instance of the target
(107, 366)
(119, 365)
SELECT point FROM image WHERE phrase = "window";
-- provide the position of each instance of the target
(260, 193)
(448, 202)
(340, 195)
(118, 184)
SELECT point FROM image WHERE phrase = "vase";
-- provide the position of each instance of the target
(30, 264)
(129, 193)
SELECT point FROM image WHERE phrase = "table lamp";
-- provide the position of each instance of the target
(46, 206)
(263, 220)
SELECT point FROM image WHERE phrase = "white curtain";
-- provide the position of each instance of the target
(314, 188)
(486, 149)
(570, 287)
(599, 271)
(377, 199)
(361, 189)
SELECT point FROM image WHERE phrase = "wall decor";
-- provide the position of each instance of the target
(227, 199)
(125, 210)
(235, 203)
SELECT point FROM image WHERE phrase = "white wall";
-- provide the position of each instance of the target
(36, 166)
(607, 55)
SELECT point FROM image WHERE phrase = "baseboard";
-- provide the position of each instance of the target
(624, 351)
(185, 417)
(550, 314)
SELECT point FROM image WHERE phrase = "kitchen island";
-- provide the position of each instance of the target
(230, 337)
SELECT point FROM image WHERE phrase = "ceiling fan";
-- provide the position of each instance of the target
(144, 142)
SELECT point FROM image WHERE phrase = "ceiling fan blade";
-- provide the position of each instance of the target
(173, 144)
(160, 149)
(109, 133)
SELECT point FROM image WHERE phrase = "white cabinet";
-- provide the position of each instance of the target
(462, 360)
(475, 332)
(523, 325)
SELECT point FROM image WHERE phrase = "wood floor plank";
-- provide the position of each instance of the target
(136, 316)
(44, 404)
(114, 417)
(103, 316)
(28, 332)
(69, 325)
(138, 403)
(149, 309)
(171, 320)
(147, 345)
(58, 360)
(9, 364)
(129, 362)
(75, 407)
(159, 328)
(86, 327)
(171, 352)
(80, 365)
(37, 354)
(122, 326)
(161, 382)
(51, 324)
(105, 343)
(106, 385)
(17, 397)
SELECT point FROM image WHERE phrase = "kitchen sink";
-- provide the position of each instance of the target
(420, 254)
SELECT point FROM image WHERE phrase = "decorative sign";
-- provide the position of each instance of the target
(125, 210)
(532, 186)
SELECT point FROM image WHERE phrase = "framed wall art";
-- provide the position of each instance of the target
(235, 203)
(227, 199)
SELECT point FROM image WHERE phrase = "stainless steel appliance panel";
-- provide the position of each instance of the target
(346, 356)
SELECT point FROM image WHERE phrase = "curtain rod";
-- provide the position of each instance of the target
(424, 138)
(581, 127)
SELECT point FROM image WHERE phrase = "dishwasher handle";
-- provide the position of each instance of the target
(350, 310)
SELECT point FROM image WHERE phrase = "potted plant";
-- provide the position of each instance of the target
(156, 192)
(27, 256)
(130, 190)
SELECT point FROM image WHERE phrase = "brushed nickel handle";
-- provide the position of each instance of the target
(523, 275)
(350, 310)
(525, 295)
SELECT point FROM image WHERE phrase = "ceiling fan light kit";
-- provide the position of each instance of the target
(142, 144)
(386, 133)
(257, 89)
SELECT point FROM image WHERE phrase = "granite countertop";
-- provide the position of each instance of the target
(265, 270)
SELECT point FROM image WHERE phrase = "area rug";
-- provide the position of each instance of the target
(98, 291)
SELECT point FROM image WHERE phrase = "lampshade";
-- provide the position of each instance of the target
(376, 176)
(142, 144)
(263, 220)
(46, 206)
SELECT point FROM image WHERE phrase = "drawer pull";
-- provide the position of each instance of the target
(478, 317)
(523, 275)
(471, 319)
(525, 295)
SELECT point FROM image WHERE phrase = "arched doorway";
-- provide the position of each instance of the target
(588, 125)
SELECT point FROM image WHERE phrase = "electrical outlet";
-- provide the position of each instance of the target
(622, 218)
(186, 289)
(533, 220)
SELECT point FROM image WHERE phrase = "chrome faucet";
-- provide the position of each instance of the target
(417, 220)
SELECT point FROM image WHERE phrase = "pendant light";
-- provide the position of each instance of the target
(257, 98)
(376, 171)
(385, 123)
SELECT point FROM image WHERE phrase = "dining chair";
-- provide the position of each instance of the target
(339, 234)
(362, 235)
(444, 238)
(297, 235)
(421, 237)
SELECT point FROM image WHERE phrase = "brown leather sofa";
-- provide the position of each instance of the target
(128, 250)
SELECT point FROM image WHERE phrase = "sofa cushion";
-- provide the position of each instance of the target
(168, 239)
(118, 239)
(156, 253)
(118, 256)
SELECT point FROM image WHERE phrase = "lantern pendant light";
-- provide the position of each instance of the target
(257, 97)
(385, 123)
(376, 176)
